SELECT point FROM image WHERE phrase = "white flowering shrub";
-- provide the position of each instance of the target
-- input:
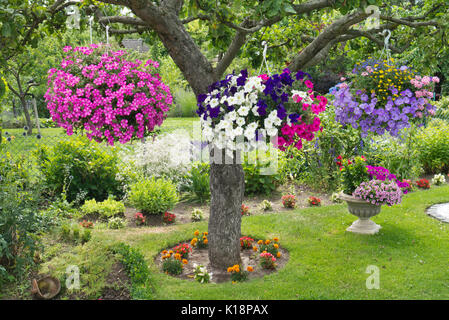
(197, 215)
(168, 156)
(438, 179)
(266, 205)
(201, 275)
(335, 197)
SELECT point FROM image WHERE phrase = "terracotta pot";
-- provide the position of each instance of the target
(45, 288)
(364, 211)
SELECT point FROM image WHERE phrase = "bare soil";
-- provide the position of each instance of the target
(117, 284)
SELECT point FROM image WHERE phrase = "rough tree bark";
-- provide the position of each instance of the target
(227, 185)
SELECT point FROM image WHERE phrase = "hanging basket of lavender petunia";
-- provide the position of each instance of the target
(241, 111)
(107, 94)
(382, 96)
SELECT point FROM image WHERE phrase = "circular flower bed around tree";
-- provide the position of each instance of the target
(240, 111)
(99, 91)
(193, 263)
(383, 97)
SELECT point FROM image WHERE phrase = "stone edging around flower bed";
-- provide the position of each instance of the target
(439, 211)
(248, 256)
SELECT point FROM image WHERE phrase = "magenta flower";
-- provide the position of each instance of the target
(112, 99)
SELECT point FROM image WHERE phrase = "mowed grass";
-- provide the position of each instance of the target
(22, 145)
(326, 262)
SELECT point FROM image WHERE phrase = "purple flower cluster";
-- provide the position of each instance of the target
(382, 174)
(363, 111)
(275, 94)
(378, 192)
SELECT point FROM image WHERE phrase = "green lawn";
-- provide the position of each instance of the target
(21, 145)
(411, 251)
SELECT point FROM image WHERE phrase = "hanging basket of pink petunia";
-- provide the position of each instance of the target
(106, 94)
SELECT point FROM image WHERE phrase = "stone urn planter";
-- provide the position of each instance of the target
(364, 211)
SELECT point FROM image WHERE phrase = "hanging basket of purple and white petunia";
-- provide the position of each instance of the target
(241, 111)
(105, 93)
(382, 96)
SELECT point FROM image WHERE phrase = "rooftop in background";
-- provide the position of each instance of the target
(136, 44)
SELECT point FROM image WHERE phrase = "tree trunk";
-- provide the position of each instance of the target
(227, 186)
(27, 116)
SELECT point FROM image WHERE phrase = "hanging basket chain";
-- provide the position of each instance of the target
(264, 58)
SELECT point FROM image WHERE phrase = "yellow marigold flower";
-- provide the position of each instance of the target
(260, 242)
(196, 233)
(278, 254)
(177, 256)
(276, 245)
(250, 269)
(184, 261)
(164, 252)
(265, 251)
(171, 252)
(267, 241)
(254, 248)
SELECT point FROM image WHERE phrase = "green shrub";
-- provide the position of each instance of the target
(136, 268)
(19, 223)
(86, 236)
(319, 170)
(81, 165)
(196, 183)
(433, 147)
(399, 155)
(257, 180)
(73, 232)
(442, 109)
(153, 196)
(106, 209)
(172, 266)
(134, 262)
(116, 223)
(185, 104)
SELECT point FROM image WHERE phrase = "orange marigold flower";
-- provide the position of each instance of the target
(206, 233)
(230, 269)
(267, 241)
(196, 233)
(276, 245)
(278, 254)
(250, 269)
(255, 249)
(184, 261)
(276, 239)
(171, 252)
(164, 252)
(260, 242)
(206, 241)
(177, 256)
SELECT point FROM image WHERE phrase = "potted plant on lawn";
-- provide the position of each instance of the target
(365, 190)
